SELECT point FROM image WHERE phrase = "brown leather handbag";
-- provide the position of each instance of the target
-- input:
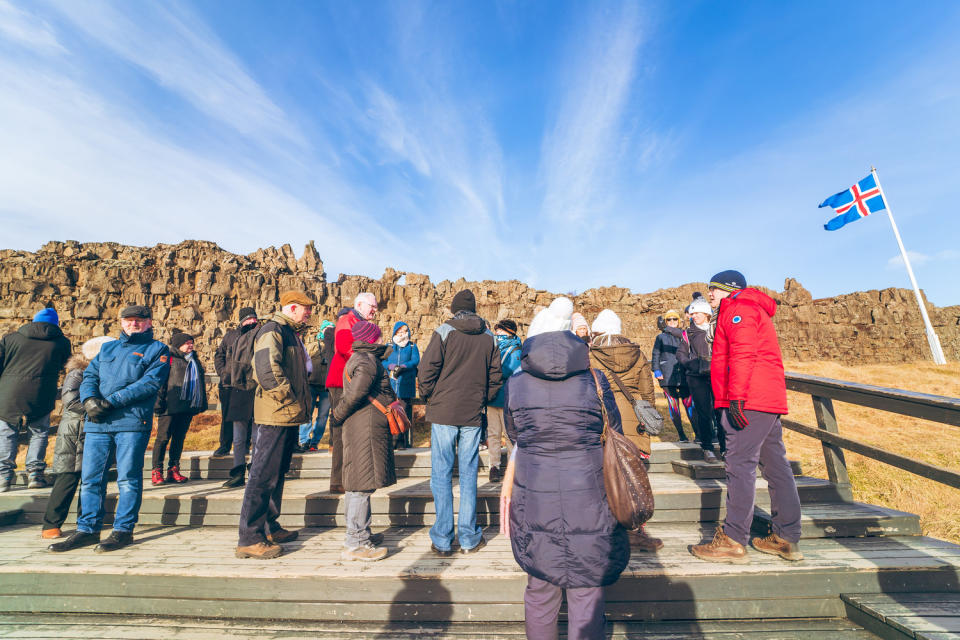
(625, 479)
(395, 411)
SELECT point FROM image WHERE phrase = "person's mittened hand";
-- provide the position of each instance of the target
(737, 419)
(94, 412)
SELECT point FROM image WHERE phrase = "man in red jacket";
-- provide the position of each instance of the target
(748, 386)
(364, 308)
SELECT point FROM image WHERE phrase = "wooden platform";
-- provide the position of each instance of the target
(907, 616)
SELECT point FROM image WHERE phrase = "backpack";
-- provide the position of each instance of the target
(242, 363)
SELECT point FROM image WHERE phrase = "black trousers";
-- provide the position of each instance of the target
(171, 429)
(704, 425)
(61, 497)
(336, 440)
(263, 495)
(226, 426)
(406, 439)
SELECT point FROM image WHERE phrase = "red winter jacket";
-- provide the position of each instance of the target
(747, 364)
(342, 348)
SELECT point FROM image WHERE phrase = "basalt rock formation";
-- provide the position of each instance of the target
(197, 287)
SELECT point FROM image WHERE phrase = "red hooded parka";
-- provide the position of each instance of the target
(747, 364)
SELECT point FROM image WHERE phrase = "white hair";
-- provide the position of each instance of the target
(556, 317)
(365, 295)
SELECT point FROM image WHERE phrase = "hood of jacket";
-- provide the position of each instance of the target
(397, 325)
(618, 357)
(40, 331)
(468, 322)
(281, 318)
(555, 355)
(755, 297)
(378, 350)
(505, 343)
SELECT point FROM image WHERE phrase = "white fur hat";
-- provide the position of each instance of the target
(91, 347)
(607, 322)
(556, 317)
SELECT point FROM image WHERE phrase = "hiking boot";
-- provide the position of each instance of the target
(282, 535)
(236, 478)
(643, 542)
(75, 541)
(336, 488)
(115, 541)
(37, 481)
(173, 475)
(260, 551)
(364, 553)
(221, 452)
(300, 448)
(157, 476)
(709, 457)
(443, 553)
(50, 534)
(777, 546)
(477, 547)
(721, 549)
(312, 449)
(495, 475)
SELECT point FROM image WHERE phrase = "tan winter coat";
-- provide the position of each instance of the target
(283, 396)
(627, 360)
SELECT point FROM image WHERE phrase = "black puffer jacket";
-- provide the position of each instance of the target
(169, 401)
(695, 354)
(460, 371)
(664, 360)
(68, 449)
(367, 450)
(31, 359)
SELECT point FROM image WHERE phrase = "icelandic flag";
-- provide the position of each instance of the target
(857, 202)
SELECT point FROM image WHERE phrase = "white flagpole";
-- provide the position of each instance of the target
(935, 349)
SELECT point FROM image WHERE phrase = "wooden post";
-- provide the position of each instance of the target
(832, 455)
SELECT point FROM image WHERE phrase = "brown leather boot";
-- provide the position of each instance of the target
(721, 549)
(642, 541)
(260, 551)
(777, 546)
(51, 533)
(282, 535)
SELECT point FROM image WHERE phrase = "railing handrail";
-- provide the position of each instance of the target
(941, 409)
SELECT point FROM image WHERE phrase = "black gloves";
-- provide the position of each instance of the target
(97, 409)
(661, 323)
(737, 420)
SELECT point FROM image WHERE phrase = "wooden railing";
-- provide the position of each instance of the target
(908, 403)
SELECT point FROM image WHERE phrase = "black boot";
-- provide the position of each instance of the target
(75, 541)
(236, 477)
(116, 540)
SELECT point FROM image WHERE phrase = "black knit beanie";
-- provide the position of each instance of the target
(179, 338)
(464, 301)
(247, 312)
(729, 280)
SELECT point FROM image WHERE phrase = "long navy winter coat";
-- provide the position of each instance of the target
(561, 528)
(664, 360)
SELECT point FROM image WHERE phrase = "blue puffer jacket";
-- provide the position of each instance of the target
(509, 362)
(402, 364)
(127, 373)
(561, 528)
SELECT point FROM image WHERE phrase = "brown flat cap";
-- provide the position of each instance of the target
(296, 297)
(136, 311)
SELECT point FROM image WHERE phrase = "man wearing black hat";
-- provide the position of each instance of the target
(118, 393)
(746, 375)
(223, 364)
(459, 376)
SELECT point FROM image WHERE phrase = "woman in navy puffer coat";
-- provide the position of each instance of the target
(561, 529)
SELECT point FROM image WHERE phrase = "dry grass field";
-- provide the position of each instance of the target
(873, 482)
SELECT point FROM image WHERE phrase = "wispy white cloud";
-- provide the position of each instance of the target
(26, 29)
(918, 259)
(169, 42)
(579, 151)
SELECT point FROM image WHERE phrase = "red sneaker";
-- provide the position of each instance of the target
(157, 477)
(173, 475)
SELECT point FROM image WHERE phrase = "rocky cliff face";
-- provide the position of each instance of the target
(198, 287)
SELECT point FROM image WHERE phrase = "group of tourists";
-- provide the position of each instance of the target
(543, 399)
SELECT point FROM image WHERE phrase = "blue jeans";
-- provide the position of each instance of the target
(36, 451)
(321, 402)
(97, 447)
(447, 441)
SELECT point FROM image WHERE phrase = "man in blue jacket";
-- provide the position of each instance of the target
(118, 392)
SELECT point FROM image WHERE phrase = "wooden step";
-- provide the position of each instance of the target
(906, 616)
(846, 520)
(410, 463)
(715, 470)
(110, 627)
(408, 503)
(192, 572)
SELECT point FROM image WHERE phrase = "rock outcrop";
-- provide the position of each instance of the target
(198, 287)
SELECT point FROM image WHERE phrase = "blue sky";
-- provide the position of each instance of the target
(568, 145)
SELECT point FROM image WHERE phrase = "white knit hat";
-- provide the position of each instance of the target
(556, 317)
(607, 322)
(700, 306)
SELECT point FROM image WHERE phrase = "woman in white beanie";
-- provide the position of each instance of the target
(627, 368)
